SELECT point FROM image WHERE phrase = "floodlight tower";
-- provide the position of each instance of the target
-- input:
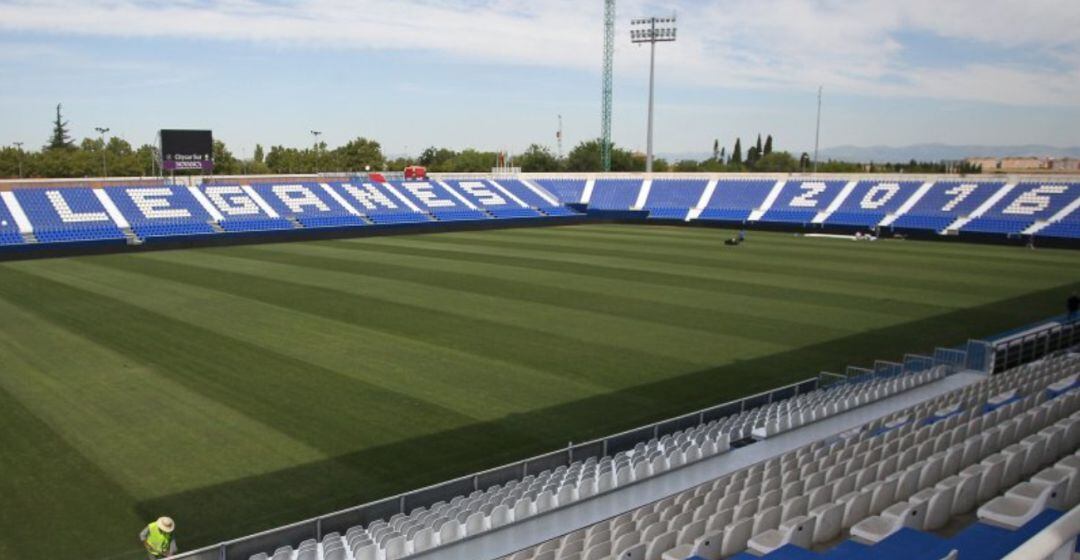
(652, 30)
(18, 147)
(104, 166)
(315, 134)
(609, 63)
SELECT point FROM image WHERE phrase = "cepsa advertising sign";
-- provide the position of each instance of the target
(183, 150)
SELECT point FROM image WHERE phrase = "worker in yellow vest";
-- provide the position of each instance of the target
(158, 538)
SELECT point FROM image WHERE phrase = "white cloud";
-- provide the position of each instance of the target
(847, 45)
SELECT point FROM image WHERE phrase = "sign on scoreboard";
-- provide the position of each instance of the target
(183, 150)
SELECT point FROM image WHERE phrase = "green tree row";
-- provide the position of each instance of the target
(61, 157)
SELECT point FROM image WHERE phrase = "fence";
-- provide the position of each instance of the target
(316, 528)
(1032, 344)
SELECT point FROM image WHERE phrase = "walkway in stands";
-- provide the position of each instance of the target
(537, 529)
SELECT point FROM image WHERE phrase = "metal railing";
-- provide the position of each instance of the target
(1056, 541)
(315, 528)
(1058, 334)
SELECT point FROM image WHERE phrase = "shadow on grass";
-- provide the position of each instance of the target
(247, 505)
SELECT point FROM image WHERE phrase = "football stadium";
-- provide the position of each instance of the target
(538, 365)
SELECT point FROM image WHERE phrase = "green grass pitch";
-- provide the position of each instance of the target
(241, 388)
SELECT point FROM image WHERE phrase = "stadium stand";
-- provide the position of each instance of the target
(163, 211)
(945, 202)
(442, 202)
(380, 203)
(871, 201)
(524, 193)
(446, 522)
(9, 230)
(242, 210)
(801, 201)
(494, 198)
(615, 194)
(1023, 206)
(734, 201)
(673, 198)
(67, 215)
(889, 484)
(568, 191)
(1047, 210)
(309, 204)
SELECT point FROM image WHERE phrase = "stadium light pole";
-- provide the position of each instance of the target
(104, 165)
(18, 146)
(652, 30)
(316, 134)
(817, 130)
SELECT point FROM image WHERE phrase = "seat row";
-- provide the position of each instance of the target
(813, 494)
(425, 528)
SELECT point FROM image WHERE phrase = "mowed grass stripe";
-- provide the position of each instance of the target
(317, 406)
(570, 303)
(579, 289)
(778, 286)
(69, 381)
(464, 322)
(762, 270)
(47, 484)
(953, 256)
(396, 363)
(948, 276)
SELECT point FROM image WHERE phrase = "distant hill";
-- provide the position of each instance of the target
(920, 152)
(938, 152)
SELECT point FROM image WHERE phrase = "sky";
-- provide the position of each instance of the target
(496, 74)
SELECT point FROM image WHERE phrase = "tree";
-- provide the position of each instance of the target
(224, 161)
(758, 145)
(60, 139)
(259, 156)
(538, 159)
(752, 155)
(356, 155)
(716, 149)
(723, 156)
(688, 165)
(736, 153)
(804, 161)
(777, 162)
(768, 146)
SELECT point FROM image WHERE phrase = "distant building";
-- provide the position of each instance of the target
(1026, 164)
(1065, 164)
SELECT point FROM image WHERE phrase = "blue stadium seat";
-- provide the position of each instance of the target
(568, 191)
(945, 202)
(1065, 228)
(800, 201)
(734, 201)
(1027, 203)
(615, 194)
(484, 195)
(164, 211)
(67, 215)
(378, 203)
(9, 231)
(672, 199)
(871, 201)
(242, 212)
(524, 193)
(307, 203)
